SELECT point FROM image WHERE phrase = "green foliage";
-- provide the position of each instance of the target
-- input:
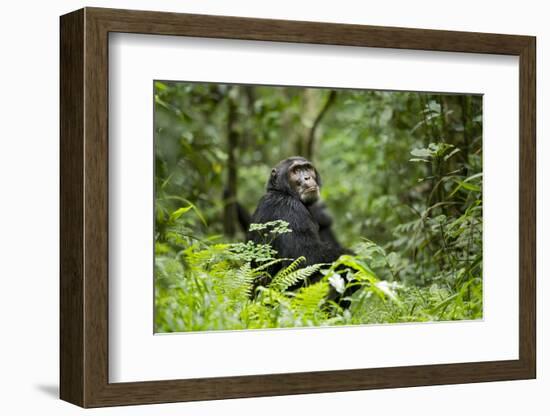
(212, 288)
(402, 176)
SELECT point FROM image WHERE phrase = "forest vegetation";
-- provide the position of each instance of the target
(402, 178)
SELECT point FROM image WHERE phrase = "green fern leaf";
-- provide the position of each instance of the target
(268, 264)
(309, 299)
(291, 275)
(239, 285)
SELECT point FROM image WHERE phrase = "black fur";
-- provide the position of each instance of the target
(311, 234)
(320, 214)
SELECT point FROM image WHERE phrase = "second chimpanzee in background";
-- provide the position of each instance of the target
(293, 196)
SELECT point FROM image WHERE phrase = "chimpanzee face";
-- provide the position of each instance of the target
(302, 179)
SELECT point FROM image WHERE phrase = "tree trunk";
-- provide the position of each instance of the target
(230, 193)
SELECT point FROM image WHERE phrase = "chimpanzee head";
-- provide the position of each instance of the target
(298, 177)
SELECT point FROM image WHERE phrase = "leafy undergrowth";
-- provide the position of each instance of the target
(401, 168)
(209, 286)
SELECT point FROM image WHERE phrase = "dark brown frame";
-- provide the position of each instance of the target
(84, 207)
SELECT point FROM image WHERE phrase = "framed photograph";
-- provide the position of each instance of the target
(254, 207)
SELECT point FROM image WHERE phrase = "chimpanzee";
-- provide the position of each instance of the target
(293, 196)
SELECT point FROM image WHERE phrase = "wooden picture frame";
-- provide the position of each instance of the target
(84, 207)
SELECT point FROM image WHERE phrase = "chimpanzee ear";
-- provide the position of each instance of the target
(272, 182)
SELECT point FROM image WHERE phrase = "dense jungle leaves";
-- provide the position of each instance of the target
(402, 177)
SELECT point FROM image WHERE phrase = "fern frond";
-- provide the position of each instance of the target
(268, 264)
(244, 279)
(240, 284)
(309, 299)
(291, 275)
(280, 277)
(273, 298)
(198, 258)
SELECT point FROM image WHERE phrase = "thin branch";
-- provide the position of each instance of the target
(311, 134)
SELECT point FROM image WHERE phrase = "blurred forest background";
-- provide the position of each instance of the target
(402, 177)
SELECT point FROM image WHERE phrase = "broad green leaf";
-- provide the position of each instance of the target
(179, 212)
